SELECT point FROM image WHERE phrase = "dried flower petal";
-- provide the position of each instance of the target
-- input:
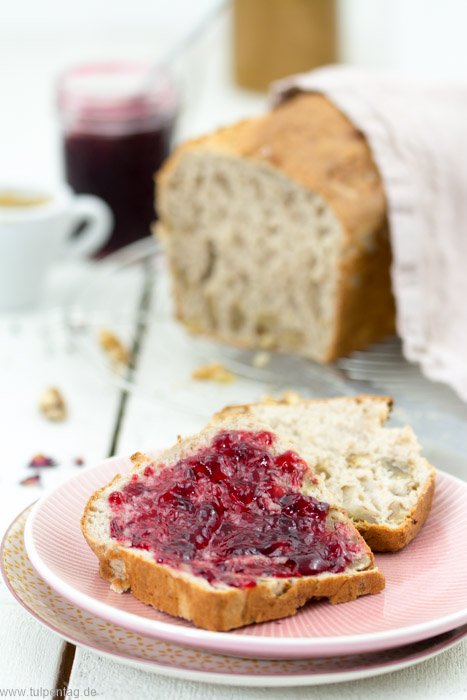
(31, 481)
(214, 372)
(78, 461)
(52, 404)
(41, 460)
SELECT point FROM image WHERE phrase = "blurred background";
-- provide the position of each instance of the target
(222, 55)
(39, 41)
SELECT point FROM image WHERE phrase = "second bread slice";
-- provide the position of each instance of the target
(375, 473)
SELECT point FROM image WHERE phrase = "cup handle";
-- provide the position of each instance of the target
(98, 221)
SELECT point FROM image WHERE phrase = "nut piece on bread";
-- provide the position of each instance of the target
(227, 528)
(375, 473)
(276, 233)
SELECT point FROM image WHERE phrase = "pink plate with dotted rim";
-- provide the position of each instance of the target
(425, 595)
(149, 654)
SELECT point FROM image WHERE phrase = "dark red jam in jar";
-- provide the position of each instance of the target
(232, 512)
(118, 122)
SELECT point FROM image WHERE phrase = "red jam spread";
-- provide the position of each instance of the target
(231, 513)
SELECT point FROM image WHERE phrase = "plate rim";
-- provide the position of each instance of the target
(241, 645)
(239, 680)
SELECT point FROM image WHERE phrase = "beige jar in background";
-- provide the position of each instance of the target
(275, 38)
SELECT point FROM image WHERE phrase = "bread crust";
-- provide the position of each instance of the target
(284, 401)
(380, 538)
(222, 610)
(317, 146)
(173, 592)
(218, 608)
(308, 139)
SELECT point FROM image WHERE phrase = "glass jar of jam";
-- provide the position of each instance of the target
(118, 123)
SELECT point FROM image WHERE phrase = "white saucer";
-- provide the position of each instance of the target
(122, 645)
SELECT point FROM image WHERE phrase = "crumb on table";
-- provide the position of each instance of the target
(214, 372)
(52, 404)
(116, 351)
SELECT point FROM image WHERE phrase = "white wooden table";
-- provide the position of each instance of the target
(35, 352)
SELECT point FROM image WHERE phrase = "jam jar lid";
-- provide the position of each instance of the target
(117, 97)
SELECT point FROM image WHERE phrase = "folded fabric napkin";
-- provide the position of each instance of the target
(418, 136)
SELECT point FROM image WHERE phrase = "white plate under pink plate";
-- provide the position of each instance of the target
(149, 654)
(425, 595)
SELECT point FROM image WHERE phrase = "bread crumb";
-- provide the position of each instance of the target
(261, 359)
(52, 404)
(289, 398)
(116, 351)
(214, 372)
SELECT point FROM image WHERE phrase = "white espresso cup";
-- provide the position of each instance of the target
(36, 227)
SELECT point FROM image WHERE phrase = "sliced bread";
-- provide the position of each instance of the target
(276, 233)
(227, 528)
(375, 473)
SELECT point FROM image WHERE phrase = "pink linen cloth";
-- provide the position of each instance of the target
(418, 136)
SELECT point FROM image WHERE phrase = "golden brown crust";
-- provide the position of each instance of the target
(314, 144)
(224, 609)
(366, 309)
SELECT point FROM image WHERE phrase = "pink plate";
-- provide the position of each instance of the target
(426, 584)
(149, 654)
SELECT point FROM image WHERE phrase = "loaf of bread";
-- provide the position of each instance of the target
(375, 473)
(276, 233)
(227, 528)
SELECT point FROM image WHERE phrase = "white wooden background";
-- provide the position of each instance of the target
(35, 352)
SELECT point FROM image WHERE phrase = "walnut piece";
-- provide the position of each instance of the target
(116, 351)
(52, 404)
(214, 372)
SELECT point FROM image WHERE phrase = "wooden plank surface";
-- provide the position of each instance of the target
(440, 678)
(36, 351)
(30, 653)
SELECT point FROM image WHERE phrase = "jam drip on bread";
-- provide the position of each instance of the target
(231, 513)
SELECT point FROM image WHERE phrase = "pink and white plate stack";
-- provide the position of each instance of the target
(50, 570)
